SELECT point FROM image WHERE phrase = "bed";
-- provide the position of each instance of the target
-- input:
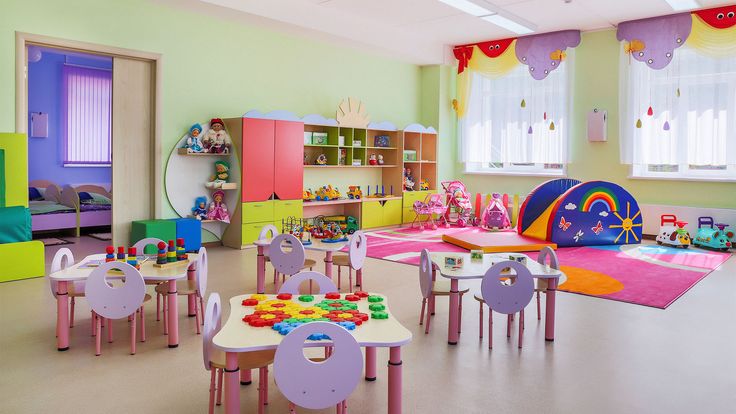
(68, 207)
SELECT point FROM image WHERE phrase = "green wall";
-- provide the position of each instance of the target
(596, 86)
(216, 67)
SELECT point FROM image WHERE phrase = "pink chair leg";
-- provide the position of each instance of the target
(429, 317)
(521, 327)
(201, 309)
(219, 387)
(394, 380)
(359, 278)
(480, 318)
(370, 363)
(275, 276)
(166, 315)
(350, 279)
(197, 316)
(109, 331)
(260, 390)
(265, 387)
(143, 323)
(132, 334)
(212, 391)
(246, 377)
(508, 326)
(339, 276)
(539, 308)
(158, 307)
(92, 323)
(71, 313)
(421, 315)
(98, 335)
(460, 316)
(490, 328)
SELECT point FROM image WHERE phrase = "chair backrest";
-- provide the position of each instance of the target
(317, 385)
(292, 284)
(425, 273)
(284, 261)
(268, 231)
(504, 298)
(553, 261)
(212, 324)
(202, 263)
(115, 302)
(357, 250)
(62, 259)
(140, 245)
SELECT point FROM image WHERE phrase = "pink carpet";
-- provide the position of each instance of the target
(646, 274)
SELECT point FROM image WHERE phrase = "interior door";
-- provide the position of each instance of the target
(289, 160)
(258, 161)
(133, 124)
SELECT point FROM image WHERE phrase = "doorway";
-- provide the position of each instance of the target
(134, 127)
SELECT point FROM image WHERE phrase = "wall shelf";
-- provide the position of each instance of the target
(183, 151)
(350, 166)
(330, 203)
(226, 186)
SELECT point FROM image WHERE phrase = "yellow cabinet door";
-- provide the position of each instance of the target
(258, 211)
(287, 208)
(372, 215)
(411, 196)
(251, 231)
(409, 215)
(392, 213)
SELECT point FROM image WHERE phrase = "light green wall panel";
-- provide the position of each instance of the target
(16, 168)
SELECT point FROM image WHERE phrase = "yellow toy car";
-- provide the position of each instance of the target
(307, 195)
(327, 193)
(354, 192)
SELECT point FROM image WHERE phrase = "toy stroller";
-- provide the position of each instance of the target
(431, 205)
(459, 208)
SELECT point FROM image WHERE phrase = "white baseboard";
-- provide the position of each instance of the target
(651, 214)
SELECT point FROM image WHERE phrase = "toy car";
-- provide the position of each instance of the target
(354, 192)
(348, 224)
(327, 193)
(672, 232)
(729, 231)
(710, 236)
(307, 195)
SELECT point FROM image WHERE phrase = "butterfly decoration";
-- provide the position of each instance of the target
(564, 224)
(558, 55)
(634, 46)
(578, 236)
(598, 228)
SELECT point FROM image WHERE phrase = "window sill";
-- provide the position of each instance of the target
(693, 179)
(87, 165)
(518, 174)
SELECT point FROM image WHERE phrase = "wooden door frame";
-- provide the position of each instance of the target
(23, 39)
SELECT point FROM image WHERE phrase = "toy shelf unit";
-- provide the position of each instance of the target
(188, 173)
(348, 147)
(343, 207)
(419, 154)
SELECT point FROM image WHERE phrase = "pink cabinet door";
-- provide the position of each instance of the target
(289, 160)
(258, 159)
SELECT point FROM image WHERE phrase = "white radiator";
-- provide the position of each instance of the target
(651, 213)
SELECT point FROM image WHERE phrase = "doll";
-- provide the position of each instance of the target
(221, 176)
(199, 211)
(372, 160)
(217, 209)
(321, 160)
(380, 159)
(217, 140)
(194, 143)
(408, 180)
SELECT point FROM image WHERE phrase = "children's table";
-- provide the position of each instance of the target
(80, 271)
(238, 336)
(476, 269)
(317, 244)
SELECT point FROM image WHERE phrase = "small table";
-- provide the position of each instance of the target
(476, 270)
(237, 336)
(318, 245)
(79, 271)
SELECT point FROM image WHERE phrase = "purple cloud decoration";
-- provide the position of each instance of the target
(653, 41)
(544, 52)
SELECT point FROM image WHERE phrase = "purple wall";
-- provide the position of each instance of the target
(44, 95)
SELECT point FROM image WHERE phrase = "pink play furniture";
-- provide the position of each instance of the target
(431, 206)
(288, 262)
(190, 288)
(357, 251)
(506, 298)
(318, 385)
(214, 359)
(118, 302)
(542, 283)
(63, 259)
(431, 288)
(324, 283)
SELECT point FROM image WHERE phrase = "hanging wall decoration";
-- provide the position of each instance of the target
(543, 53)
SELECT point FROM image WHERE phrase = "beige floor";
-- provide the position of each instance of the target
(609, 357)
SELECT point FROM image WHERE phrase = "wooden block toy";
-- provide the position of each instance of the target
(161, 256)
(171, 253)
(171, 264)
(110, 256)
(121, 254)
(476, 255)
(454, 261)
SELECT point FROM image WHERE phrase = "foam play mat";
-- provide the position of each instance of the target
(643, 274)
(496, 242)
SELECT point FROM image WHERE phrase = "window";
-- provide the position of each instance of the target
(499, 134)
(691, 133)
(87, 99)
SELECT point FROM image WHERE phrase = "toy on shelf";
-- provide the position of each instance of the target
(194, 142)
(326, 227)
(381, 141)
(672, 232)
(333, 233)
(221, 175)
(308, 195)
(408, 180)
(296, 227)
(217, 140)
(380, 159)
(343, 156)
(372, 160)
(217, 209)
(321, 160)
(354, 192)
(459, 207)
(110, 256)
(348, 224)
(199, 211)
(495, 216)
(327, 193)
(171, 254)
(380, 194)
(423, 185)
(710, 236)
(431, 206)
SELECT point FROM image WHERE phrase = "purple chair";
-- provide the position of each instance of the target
(140, 248)
(325, 284)
(354, 260)
(63, 259)
(431, 288)
(196, 287)
(268, 231)
(118, 302)
(288, 262)
(318, 385)
(542, 283)
(507, 298)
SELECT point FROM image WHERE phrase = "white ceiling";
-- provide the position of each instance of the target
(421, 31)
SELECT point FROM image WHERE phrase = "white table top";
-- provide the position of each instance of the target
(148, 271)
(239, 336)
(317, 245)
(476, 269)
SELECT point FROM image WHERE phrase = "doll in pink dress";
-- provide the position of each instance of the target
(217, 209)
